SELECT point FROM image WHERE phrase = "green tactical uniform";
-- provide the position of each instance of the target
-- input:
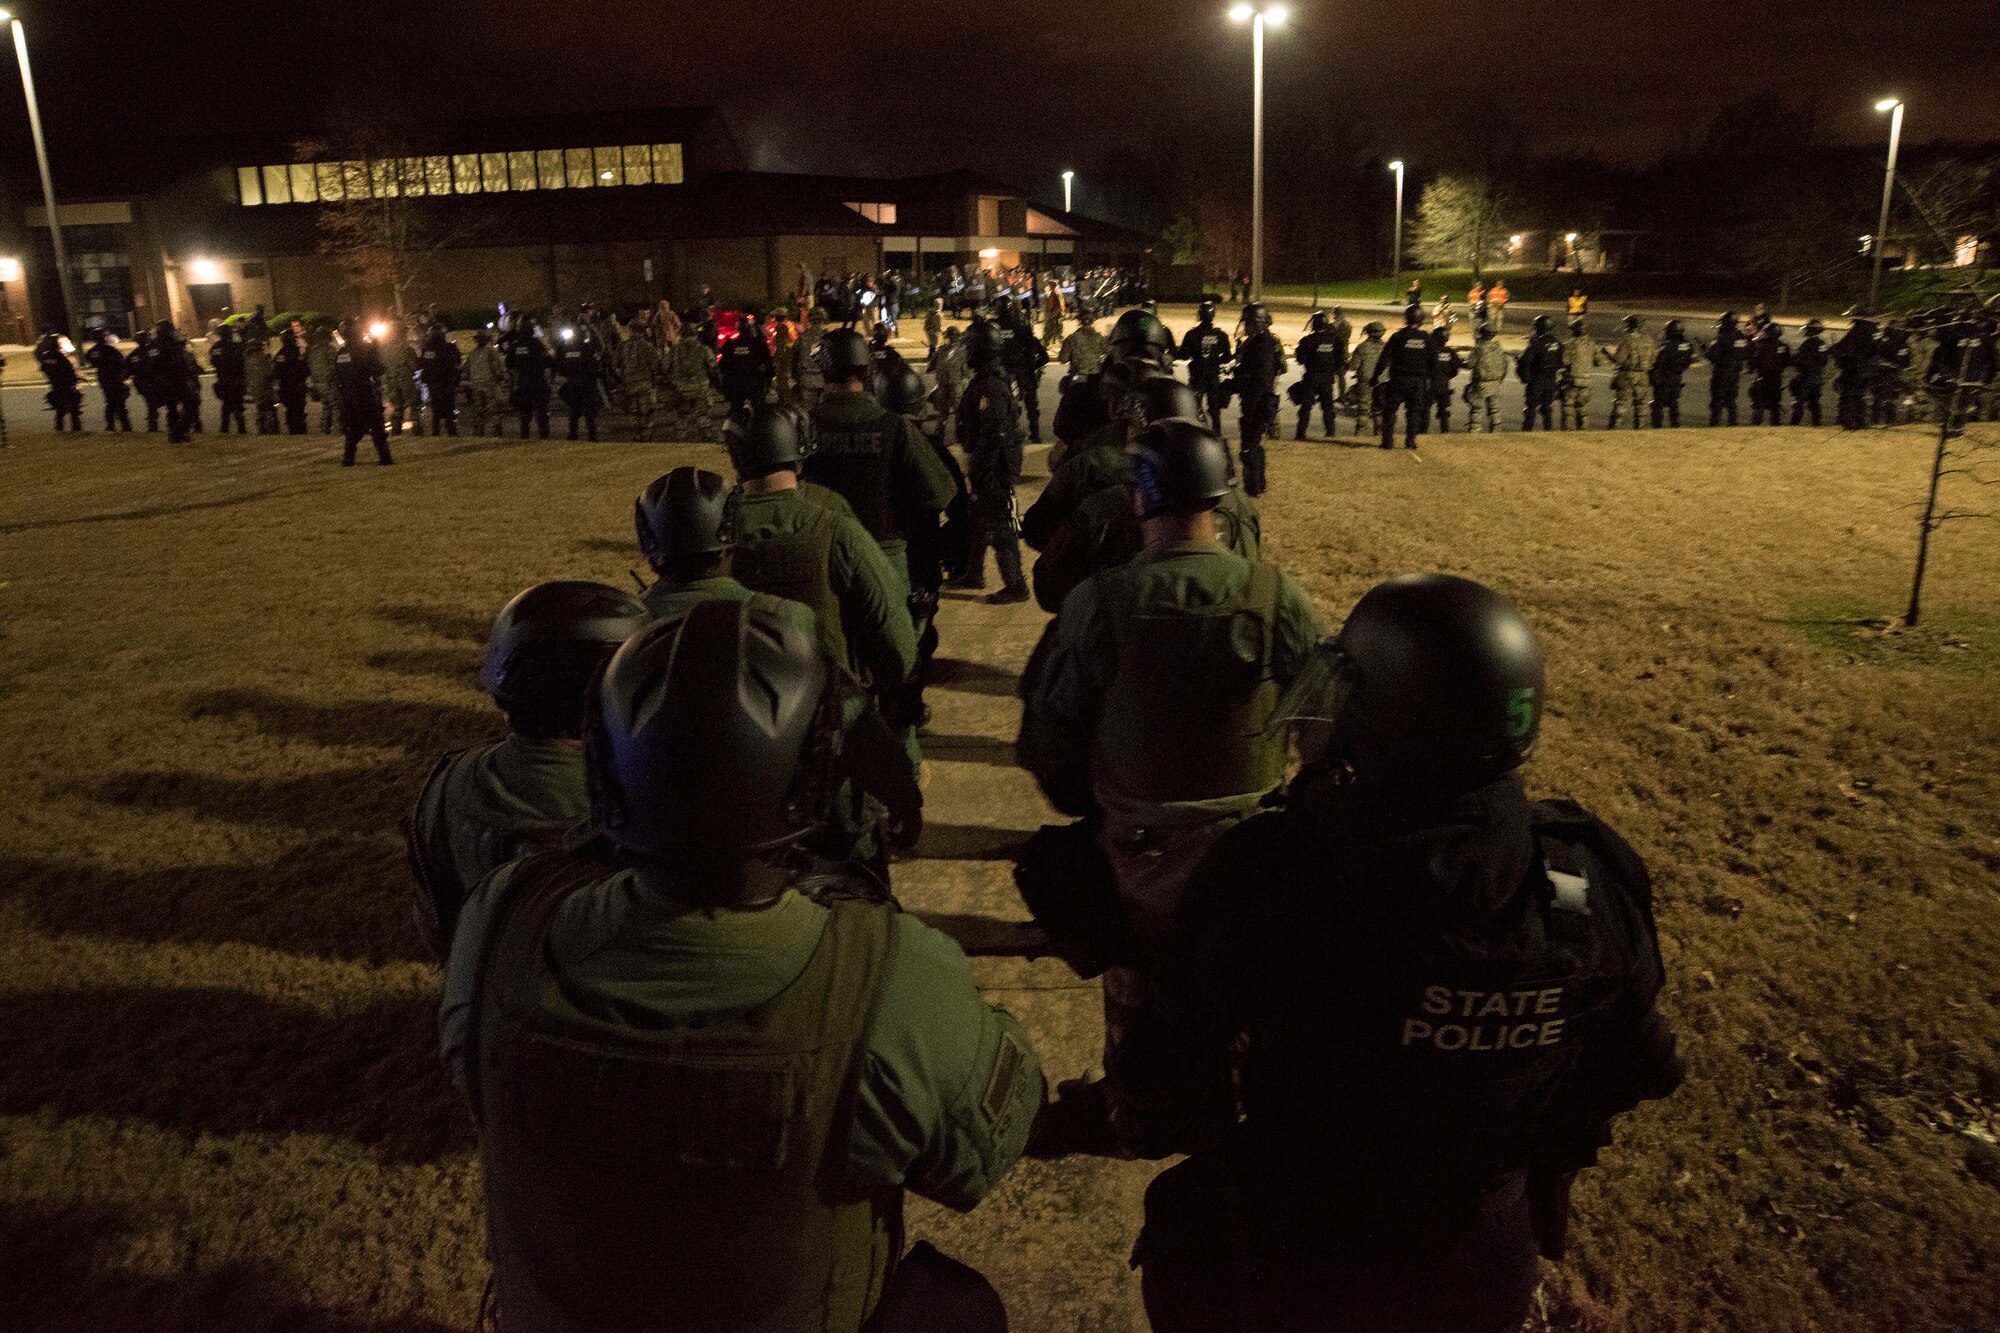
(811, 380)
(1488, 366)
(1367, 355)
(881, 464)
(481, 808)
(691, 396)
(702, 1118)
(399, 384)
(486, 387)
(320, 354)
(1631, 383)
(1580, 356)
(1105, 532)
(260, 383)
(1097, 461)
(670, 600)
(1153, 707)
(1084, 352)
(933, 326)
(639, 363)
(806, 545)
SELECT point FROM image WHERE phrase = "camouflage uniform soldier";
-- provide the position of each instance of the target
(639, 370)
(806, 374)
(399, 380)
(320, 353)
(1580, 357)
(934, 326)
(1634, 356)
(261, 382)
(1084, 351)
(691, 398)
(486, 385)
(1367, 354)
(1488, 365)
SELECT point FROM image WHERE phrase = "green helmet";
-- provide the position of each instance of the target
(844, 354)
(1162, 397)
(684, 513)
(899, 387)
(1140, 333)
(547, 644)
(1178, 467)
(769, 440)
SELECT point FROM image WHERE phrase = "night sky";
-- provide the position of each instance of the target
(1027, 87)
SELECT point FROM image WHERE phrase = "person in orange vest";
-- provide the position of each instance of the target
(1475, 294)
(1496, 302)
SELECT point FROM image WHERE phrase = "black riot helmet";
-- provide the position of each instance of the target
(1161, 397)
(1318, 321)
(769, 439)
(705, 739)
(1672, 328)
(1178, 467)
(1256, 318)
(844, 355)
(1139, 333)
(899, 387)
(1412, 316)
(681, 516)
(1543, 323)
(547, 646)
(1434, 683)
(1814, 326)
(1207, 312)
(982, 345)
(1631, 323)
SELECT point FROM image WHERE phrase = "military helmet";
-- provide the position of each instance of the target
(769, 439)
(546, 646)
(1179, 466)
(899, 387)
(1256, 318)
(684, 513)
(844, 354)
(1318, 321)
(1118, 378)
(700, 738)
(1373, 329)
(1434, 681)
(1140, 333)
(1160, 396)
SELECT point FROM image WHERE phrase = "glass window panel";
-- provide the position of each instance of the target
(465, 173)
(549, 167)
(580, 172)
(493, 172)
(610, 167)
(249, 186)
(666, 164)
(437, 175)
(277, 185)
(382, 179)
(332, 182)
(521, 171)
(638, 164)
(305, 189)
(410, 178)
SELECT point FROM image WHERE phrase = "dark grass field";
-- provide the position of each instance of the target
(225, 668)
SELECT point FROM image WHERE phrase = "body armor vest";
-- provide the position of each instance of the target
(854, 459)
(1192, 693)
(684, 1178)
(797, 565)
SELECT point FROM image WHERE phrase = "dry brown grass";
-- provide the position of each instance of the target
(225, 668)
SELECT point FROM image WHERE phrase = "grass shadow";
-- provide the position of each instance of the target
(136, 515)
(444, 622)
(425, 729)
(347, 800)
(460, 665)
(606, 546)
(217, 1061)
(956, 673)
(332, 897)
(60, 1273)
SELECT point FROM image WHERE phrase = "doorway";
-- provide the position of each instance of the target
(211, 304)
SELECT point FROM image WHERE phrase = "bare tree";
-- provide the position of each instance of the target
(379, 218)
(1971, 454)
(1460, 221)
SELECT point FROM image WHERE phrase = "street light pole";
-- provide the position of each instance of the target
(1257, 16)
(66, 324)
(1893, 105)
(1069, 192)
(1396, 262)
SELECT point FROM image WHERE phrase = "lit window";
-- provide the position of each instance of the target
(521, 170)
(638, 164)
(581, 173)
(410, 178)
(359, 178)
(305, 189)
(277, 185)
(465, 173)
(610, 169)
(249, 186)
(493, 172)
(549, 167)
(666, 164)
(437, 174)
(882, 214)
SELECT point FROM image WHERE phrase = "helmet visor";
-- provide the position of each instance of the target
(1312, 705)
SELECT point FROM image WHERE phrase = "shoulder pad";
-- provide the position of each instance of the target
(1572, 891)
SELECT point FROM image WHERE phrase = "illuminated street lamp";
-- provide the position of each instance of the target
(1893, 105)
(42, 160)
(1069, 192)
(1396, 263)
(1258, 16)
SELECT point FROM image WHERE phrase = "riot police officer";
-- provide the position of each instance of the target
(357, 384)
(112, 370)
(528, 362)
(703, 1073)
(1138, 341)
(293, 374)
(1135, 393)
(1207, 351)
(1767, 358)
(1726, 355)
(1405, 373)
(1444, 993)
(989, 429)
(1540, 367)
(1669, 374)
(1022, 356)
(1260, 361)
(1445, 365)
(1809, 360)
(482, 807)
(1322, 356)
(746, 366)
(578, 363)
(1854, 357)
(1147, 717)
(438, 368)
(225, 357)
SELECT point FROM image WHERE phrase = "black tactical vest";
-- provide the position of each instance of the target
(689, 1178)
(855, 460)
